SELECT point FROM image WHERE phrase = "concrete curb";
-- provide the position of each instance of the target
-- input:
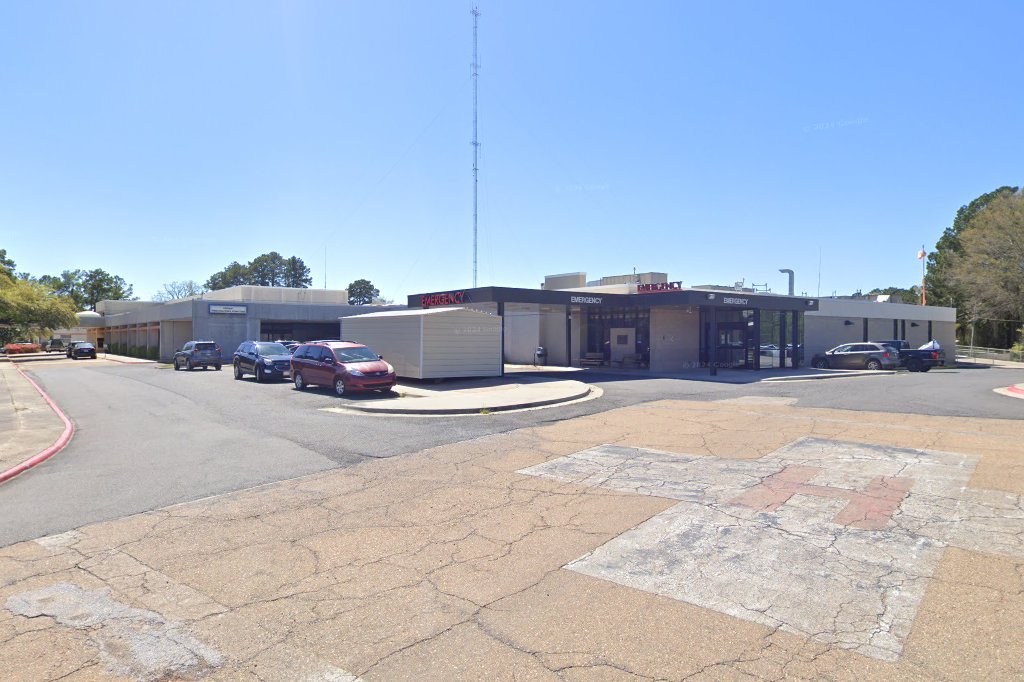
(1015, 391)
(586, 391)
(58, 445)
(832, 375)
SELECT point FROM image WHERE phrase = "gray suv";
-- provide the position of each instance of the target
(198, 354)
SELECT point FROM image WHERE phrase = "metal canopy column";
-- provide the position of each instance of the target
(501, 344)
(782, 338)
(568, 336)
(796, 338)
(713, 343)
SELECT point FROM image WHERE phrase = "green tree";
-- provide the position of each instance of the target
(172, 291)
(27, 307)
(361, 292)
(268, 270)
(6, 264)
(231, 276)
(296, 274)
(941, 286)
(910, 295)
(990, 267)
(88, 287)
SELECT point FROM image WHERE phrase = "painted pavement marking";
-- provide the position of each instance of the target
(833, 540)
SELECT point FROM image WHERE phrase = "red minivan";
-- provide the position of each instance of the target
(344, 365)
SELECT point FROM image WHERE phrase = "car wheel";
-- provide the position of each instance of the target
(339, 386)
(188, 365)
(874, 365)
(206, 367)
(821, 364)
(914, 365)
(177, 366)
(925, 369)
(217, 367)
(259, 374)
(300, 383)
(238, 371)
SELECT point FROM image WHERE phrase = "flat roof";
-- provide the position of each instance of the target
(669, 297)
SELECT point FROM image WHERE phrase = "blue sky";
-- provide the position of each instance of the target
(713, 141)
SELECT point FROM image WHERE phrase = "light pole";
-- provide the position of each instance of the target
(790, 273)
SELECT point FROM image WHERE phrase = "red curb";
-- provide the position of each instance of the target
(58, 445)
(1015, 389)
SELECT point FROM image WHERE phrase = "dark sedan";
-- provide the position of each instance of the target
(858, 356)
(83, 350)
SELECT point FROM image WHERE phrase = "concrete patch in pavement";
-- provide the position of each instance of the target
(132, 642)
(860, 527)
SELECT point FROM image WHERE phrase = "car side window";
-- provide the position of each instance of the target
(843, 349)
(300, 353)
(187, 346)
(313, 353)
(865, 348)
(328, 355)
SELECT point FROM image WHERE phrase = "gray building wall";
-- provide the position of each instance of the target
(522, 332)
(828, 327)
(675, 339)
(552, 334)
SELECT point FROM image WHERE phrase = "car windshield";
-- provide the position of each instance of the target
(355, 354)
(271, 349)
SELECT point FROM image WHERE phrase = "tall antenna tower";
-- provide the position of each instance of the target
(476, 145)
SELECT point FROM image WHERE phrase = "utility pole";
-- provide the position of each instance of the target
(476, 145)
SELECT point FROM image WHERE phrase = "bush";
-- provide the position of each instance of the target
(133, 352)
(153, 353)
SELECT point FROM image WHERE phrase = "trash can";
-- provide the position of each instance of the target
(540, 356)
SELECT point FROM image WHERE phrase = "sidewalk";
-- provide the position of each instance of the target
(474, 396)
(27, 423)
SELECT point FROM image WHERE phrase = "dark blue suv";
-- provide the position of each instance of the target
(264, 359)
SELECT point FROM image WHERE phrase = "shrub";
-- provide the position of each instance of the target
(153, 353)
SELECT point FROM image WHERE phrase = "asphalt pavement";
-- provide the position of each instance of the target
(150, 437)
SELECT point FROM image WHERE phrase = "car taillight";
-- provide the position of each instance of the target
(885, 355)
(935, 355)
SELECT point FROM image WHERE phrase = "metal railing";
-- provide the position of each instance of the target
(990, 354)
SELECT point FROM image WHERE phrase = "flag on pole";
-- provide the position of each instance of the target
(921, 253)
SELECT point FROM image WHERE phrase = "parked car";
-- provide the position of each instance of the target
(289, 344)
(69, 349)
(867, 355)
(83, 350)
(917, 359)
(55, 346)
(264, 359)
(198, 354)
(343, 365)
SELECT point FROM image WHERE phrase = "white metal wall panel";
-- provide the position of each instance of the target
(461, 343)
(397, 338)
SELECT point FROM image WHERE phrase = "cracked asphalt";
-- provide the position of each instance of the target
(738, 536)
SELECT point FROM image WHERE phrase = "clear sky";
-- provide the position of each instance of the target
(712, 141)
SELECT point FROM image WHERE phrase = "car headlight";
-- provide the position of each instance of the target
(355, 372)
(391, 369)
(268, 361)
